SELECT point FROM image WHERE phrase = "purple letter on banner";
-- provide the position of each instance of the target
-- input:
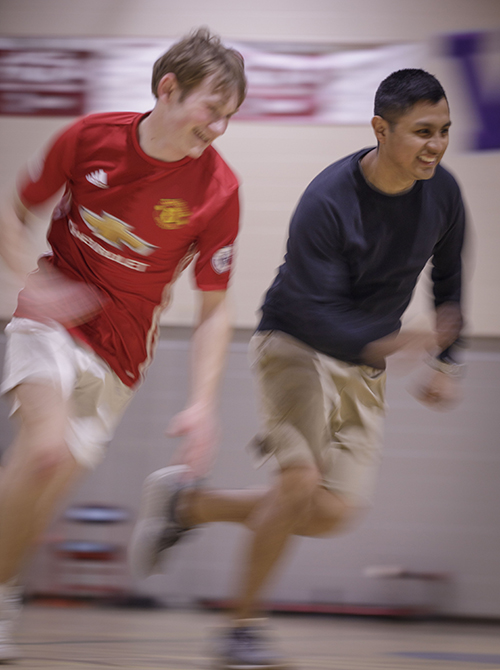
(467, 48)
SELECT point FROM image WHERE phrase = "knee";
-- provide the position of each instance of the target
(339, 518)
(297, 489)
(330, 514)
(42, 462)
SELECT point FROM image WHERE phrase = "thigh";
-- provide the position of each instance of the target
(356, 408)
(55, 380)
(38, 353)
(39, 376)
(42, 413)
(98, 402)
(291, 399)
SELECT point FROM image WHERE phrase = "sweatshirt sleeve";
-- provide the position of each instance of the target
(447, 257)
(447, 270)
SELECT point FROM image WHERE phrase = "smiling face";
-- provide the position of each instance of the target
(192, 121)
(411, 148)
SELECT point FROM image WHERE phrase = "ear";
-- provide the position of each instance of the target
(167, 86)
(380, 128)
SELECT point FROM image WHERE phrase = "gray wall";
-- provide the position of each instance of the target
(436, 508)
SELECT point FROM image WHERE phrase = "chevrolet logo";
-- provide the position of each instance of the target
(115, 232)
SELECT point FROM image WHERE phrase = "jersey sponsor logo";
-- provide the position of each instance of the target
(98, 178)
(221, 260)
(115, 232)
(106, 253)
(172, 213)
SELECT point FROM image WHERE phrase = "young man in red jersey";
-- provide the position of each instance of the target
(144, 194)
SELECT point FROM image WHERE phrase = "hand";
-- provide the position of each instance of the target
(49, 294)
(200, 431)
(436, 389)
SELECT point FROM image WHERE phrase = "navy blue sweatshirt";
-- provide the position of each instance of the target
(354, 255)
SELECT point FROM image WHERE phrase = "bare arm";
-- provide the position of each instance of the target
(438, 386)
(446, 331)
(376, 352)
(197, 422)
(15, 244)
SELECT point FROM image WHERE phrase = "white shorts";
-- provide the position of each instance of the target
(48, 354)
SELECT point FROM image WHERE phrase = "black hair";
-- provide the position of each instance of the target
(402, 89)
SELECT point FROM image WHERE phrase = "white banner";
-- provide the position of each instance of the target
(70, 77)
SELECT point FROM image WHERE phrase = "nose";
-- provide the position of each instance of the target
(219, 127)
(437, 143)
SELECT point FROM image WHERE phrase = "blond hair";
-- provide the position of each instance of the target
(200, 55)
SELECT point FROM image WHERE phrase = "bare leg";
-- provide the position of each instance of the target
(239, 506)
(208, 506)
(331, 514)
(38, 473)
(296, 505)
(274, 522)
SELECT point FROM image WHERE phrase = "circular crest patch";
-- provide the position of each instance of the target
(221, 260)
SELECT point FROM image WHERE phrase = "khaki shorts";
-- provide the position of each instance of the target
(38, 352)
(321, 411)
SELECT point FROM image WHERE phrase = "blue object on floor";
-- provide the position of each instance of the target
(97, 514)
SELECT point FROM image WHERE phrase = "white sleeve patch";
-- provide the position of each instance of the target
(221, 260)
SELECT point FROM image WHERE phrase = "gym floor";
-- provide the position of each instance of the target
(90, 638)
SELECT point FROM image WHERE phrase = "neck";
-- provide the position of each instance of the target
(377, 173)
(153, 140)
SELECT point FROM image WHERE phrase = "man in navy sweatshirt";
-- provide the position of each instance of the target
(361, 235)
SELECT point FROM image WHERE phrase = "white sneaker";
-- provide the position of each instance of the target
(158, 527)
(10, 609)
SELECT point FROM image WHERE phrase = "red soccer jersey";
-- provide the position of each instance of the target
(128, 224)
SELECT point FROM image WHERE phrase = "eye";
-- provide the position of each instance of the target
(214, 110)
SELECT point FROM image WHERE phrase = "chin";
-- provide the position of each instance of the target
(428, 175)
(425, 173)
(196, 152)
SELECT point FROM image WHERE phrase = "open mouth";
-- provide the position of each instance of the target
(428, 162)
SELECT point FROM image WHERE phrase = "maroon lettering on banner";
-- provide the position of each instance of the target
(43, 81)
(295, 83)
(286, 92)
(262, 105)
